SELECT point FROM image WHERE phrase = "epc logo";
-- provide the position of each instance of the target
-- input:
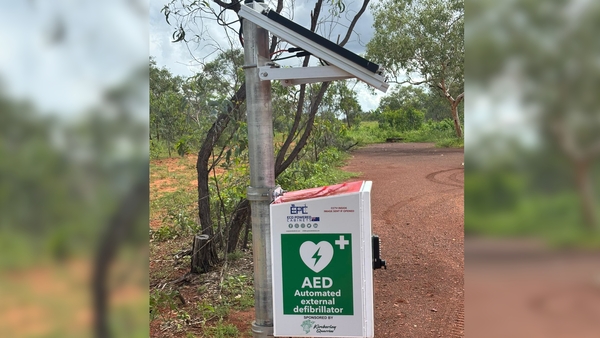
(294, 210)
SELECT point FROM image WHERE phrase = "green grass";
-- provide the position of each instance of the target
(555, 218)
(222, 330)
(239, 291)
(440, 133)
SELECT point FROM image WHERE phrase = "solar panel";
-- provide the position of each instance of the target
(371, 66)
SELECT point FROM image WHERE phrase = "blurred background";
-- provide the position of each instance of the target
(73, 168)
(532, 135)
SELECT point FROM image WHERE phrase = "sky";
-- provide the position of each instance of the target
(63, 55)
(176, 57)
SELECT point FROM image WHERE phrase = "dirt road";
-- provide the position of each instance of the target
(417, 210)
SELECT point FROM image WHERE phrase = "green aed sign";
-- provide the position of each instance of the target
(317, 274)
(322, 269)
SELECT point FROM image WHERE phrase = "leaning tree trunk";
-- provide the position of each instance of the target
(453, 106)
(456, 119)
(121, 223)
(238, 220)
(204, 251)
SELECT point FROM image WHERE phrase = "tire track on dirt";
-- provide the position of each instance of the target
(458, 328)
(433, 178)
(454, 177)
(387, 214)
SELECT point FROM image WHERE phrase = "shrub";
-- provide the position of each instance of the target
(404, 119)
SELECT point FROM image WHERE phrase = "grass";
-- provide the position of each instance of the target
(222, 330)
(440, 133)
(555, 218)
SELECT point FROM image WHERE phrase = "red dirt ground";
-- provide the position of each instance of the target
(521, 289)
(417, 210)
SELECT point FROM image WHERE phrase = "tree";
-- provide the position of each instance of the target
(345, 102)
(184, 15)
(168, 120)
(551, 57)
(423, 38)
(404, 97)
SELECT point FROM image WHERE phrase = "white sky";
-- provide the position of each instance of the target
(102, 42)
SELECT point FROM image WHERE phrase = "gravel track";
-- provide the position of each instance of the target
(417, 210)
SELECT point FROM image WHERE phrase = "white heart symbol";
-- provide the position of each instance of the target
(316, 256)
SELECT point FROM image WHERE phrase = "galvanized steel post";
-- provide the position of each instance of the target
(262, 171)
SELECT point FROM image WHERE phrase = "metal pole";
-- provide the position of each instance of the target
(262, 171)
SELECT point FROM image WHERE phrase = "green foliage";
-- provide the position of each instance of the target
(163, 233)
(305, 173)
(423, 37)
(183, 146)
(403, 119)
(209, 311)
(234, 256)
(430, 102)
(239, 291)
(221, 330)
(168, 120)
(182, 110)
(500, 203)
(158, 149)
(341, 101)
(451, 142)
(162, 299)
(326, 133)
(441, 133)
(369, 132)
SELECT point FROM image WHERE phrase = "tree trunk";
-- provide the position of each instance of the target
(247, 231)
(239, 218)
(204, 254)
(120, 225)
(456, 119)
(586, 194)
(453, 106)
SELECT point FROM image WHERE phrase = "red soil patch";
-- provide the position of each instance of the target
(242, 320)
(155, 223)
(160, 187)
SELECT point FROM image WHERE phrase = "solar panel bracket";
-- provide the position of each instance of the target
(301, 75)
(335, 55)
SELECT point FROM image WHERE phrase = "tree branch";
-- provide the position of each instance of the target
(291, 135)
(314, 107)
(234, 6)
(460, 97)
(353, 23)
